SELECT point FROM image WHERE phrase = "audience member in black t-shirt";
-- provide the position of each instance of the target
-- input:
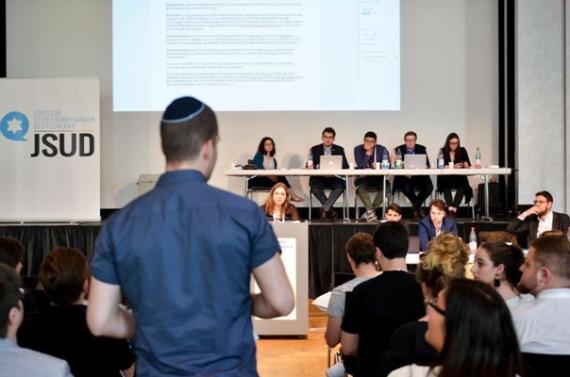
(445, 260)
(380, 305)
(62, 331)
(34, 301)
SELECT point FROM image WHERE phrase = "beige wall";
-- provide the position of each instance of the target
(449, 83)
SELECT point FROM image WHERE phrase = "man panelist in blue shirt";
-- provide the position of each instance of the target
(183, 255)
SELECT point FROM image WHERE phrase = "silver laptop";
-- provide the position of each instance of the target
(415, 161)
(331, 163)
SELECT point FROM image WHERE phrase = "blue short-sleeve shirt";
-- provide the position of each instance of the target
(183, 254)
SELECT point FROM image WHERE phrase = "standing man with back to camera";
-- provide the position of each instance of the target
(183, 255)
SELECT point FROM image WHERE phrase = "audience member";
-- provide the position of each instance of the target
(471, 327)
(62, 332)
(436, 223)
(393, 213)
(183, 255)
(361, 255)
(264, 158)
(16, 361)
(366, 156)
(539, 218)
(542, 326)
(455, 157)
(444, 261)
(409, 184)
(278, 207)
(35, 301)
(498, 265)
(335, 184)
(380, 305)
(11, 253)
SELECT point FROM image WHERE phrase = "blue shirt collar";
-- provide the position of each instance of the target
(179, 176)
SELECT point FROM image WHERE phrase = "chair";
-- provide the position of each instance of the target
(470, 203)
(539, 365)
(251, 190)
(387, 197)
(497, 235)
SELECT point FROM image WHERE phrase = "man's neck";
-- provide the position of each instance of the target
(185, 165)
(364, 270)
(396, 264)
(545, 214)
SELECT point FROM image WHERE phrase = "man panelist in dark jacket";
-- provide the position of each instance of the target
(335, 184)
(539, 218)
(409, 184)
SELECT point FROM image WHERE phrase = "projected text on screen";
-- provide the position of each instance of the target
(269, 55)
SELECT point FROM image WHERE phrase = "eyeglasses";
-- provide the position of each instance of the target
(540, 201)
(432, 304)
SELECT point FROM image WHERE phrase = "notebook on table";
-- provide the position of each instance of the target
(331, 163)
(415, 161)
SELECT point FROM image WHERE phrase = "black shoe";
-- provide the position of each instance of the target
(332, 215)
(323, 213)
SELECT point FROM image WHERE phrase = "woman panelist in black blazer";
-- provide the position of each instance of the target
(454, 153)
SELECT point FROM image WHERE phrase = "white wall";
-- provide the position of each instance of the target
(449, 83)
(541, 100)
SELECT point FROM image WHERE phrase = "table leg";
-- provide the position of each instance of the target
(346, 208)
(384, 196)
(486, 184)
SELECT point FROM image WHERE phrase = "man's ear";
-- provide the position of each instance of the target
(544, 275)
(378, 253)
(208, 149)
(16, 316)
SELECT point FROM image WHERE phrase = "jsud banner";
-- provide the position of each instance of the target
(49, 150)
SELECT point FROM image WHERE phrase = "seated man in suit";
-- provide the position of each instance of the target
(366, 156)
(542, 325)
(335, 184)
(539, 218)
(16, 361)
(409, 184)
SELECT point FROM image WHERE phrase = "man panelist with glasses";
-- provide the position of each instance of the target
(539, 218)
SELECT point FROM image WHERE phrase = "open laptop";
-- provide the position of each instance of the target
(331, 163)
(415, 161)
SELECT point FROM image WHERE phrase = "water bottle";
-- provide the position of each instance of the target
(385, 160)
(310, 160)
(440, 160)
(478, 158)
(472, 240)
(399, 163)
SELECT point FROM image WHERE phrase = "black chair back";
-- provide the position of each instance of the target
(539, 365)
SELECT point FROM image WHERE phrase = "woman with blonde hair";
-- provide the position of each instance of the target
(444, 261)
(278, 204)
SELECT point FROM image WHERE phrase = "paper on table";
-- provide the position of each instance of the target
(322, 302)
